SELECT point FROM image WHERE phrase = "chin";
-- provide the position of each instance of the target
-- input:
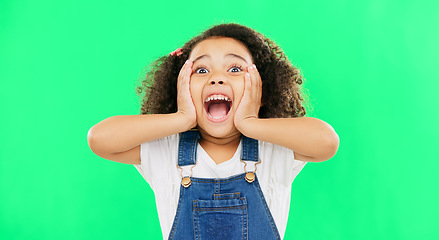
(219, 131)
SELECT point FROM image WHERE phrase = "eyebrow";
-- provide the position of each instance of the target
(200, 57)
(235, 55)
(228, 55)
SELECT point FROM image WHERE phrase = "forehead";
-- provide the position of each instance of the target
(220, 46)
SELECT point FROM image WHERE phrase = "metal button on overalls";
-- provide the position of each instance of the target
(227, 208)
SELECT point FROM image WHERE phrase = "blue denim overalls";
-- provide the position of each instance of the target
(227, 208)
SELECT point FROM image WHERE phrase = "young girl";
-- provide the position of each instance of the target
(221, 137)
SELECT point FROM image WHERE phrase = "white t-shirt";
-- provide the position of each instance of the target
(275, 173)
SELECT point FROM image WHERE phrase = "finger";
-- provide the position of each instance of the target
(184, 70)
(188, 69)
(258, 82)
(247, 86)
(180, 75)
(187, 76)
(184, 74)
(254, 80)
(257, 76)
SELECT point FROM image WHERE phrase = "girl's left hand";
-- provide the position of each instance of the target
(250, 103)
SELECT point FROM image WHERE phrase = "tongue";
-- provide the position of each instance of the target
(218, 110)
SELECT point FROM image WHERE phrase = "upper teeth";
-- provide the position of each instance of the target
(217, 97)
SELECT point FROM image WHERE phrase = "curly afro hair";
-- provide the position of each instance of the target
(281, 92)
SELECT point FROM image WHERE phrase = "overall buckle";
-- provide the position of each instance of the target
(186, 181)
(250, 176)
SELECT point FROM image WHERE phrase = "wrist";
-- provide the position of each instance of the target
(246, 125)
(186, 121)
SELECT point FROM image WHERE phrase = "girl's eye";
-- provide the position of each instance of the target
(201, 70)
(235, 69)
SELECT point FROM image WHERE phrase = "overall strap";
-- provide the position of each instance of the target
(250, 149)
(187, 148)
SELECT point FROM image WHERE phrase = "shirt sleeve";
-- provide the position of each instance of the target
(280, 162)
(296, 167)
(158, 160)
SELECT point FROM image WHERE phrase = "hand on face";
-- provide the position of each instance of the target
(250, 103)
(184, 100)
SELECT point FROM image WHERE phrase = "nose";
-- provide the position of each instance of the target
(214, 82)
(217, 77)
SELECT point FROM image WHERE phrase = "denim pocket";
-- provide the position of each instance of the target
(224, 196)
(220, 219)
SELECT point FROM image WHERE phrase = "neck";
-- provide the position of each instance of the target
(220, 149)
(232, 139)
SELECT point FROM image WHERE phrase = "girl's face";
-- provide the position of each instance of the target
(217, 83)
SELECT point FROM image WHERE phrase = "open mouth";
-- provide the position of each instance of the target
(217, 106)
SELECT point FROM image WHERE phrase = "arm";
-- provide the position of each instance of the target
(311, 139)
(118, 138)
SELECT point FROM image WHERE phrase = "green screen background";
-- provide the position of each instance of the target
(370, 69)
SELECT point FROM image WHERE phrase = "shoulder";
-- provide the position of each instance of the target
(159, 145)
(157, 158)
(279, 158)
(270, 150)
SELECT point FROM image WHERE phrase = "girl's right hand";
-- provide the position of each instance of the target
(185, 104)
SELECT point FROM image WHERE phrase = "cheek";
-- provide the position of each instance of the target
(196, 89)
(193, 87)
(238, 91)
